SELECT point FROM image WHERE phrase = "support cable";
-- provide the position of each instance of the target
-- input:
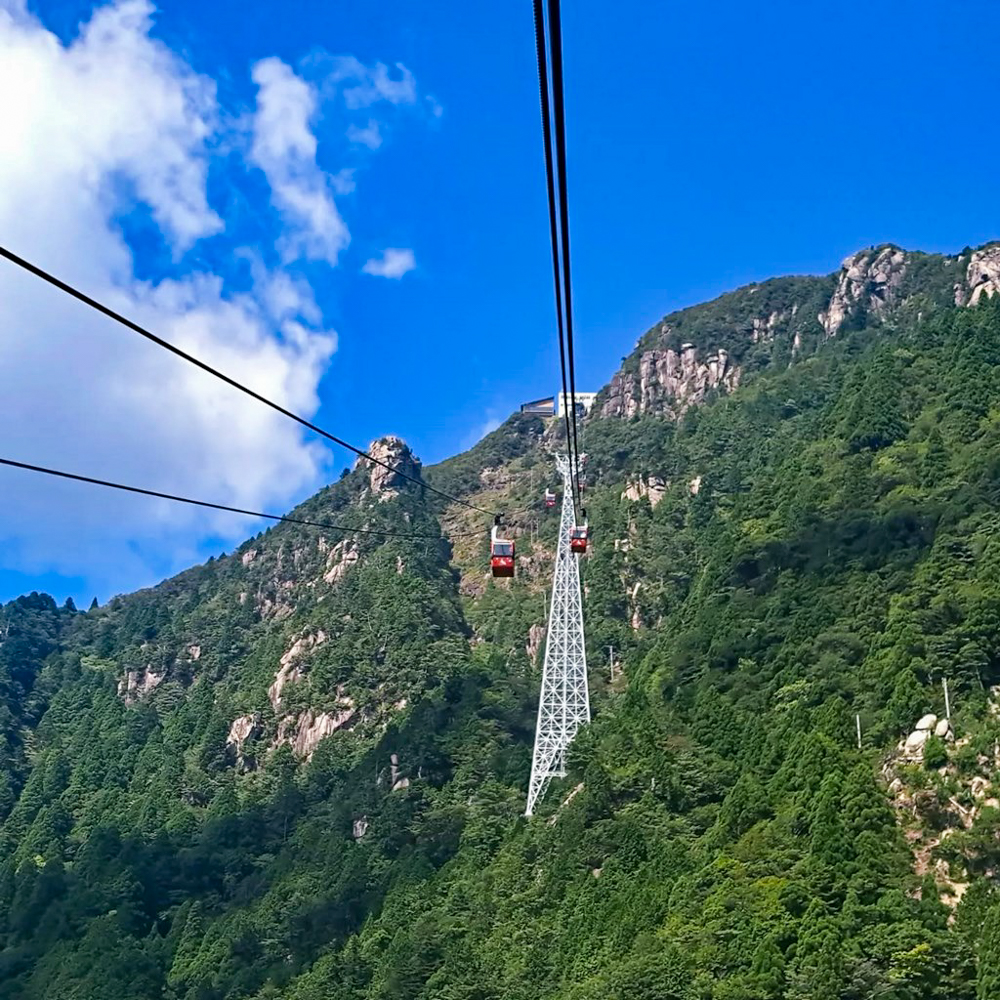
(160, 342)
(543, 87)
(559, 125)
(218, 506)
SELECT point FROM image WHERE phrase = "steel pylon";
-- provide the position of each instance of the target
(564, 702)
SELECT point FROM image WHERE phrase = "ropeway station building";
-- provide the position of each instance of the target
(556, 406)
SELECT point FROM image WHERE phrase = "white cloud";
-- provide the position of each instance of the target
(363, 86)
(284, 147)
(393, 263)
(88, 131)
(370, 135)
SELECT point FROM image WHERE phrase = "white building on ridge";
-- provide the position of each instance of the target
(584, 401)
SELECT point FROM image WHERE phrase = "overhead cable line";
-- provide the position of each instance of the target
(543, 87)
(160, 342)
(559, 126)
(218, 506)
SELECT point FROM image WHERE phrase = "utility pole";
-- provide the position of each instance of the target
(564, 701)
(947, 702)
(611, 662)
(857, 719)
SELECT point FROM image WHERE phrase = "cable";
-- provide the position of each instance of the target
(543, 86)
(160, 342)
(559, 122)
(218, 506)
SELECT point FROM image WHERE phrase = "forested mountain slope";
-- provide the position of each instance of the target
(298, 772)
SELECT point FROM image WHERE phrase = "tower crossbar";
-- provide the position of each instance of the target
(564, 702)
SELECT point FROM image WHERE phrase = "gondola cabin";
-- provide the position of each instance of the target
(578, 538)
(550, 498)
(501, 555)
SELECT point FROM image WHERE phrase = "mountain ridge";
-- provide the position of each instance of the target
(298, 771)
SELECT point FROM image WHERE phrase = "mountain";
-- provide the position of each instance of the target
(299, 770)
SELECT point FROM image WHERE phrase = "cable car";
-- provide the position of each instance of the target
(550, 498)
(578, 538)
(501, 554)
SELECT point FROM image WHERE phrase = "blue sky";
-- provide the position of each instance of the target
(709, 146)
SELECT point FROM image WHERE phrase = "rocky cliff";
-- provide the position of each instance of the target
(711, 348)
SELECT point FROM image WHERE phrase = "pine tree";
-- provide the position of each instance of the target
(935, 462)
(988, 965)
(768, 968)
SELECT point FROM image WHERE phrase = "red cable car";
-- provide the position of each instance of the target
(550, 498)
(501, 555)
(578, 538)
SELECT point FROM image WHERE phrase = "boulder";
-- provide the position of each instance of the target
(917, 739)
(942, 729)
(929, 721)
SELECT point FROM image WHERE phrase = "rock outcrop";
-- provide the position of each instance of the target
(396, 783)
(669, 382)
(304, 731)
(536, 636)
(936, 804)
(243, 729)
(869, 280)
(289, 670)
(653, 487)
(138, 683)
(395, 453)
(912, 747)
(666, 378)
(982, 276)
(340, 559)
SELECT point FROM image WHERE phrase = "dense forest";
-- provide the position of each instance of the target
(298, 772)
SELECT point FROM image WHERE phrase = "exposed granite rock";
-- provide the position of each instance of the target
(982, 276)
(305, 730)
(763, 330)
(669, 382)
(664, 377)
(138, 683)
(870, 280)
(360, 827)
(653, 487)
(536, 634)
(393, 451)
(914, 745)
(314, 727)
(243, 728)
(289, 669)
(341, 558)
(396, 781)
(636, 620)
